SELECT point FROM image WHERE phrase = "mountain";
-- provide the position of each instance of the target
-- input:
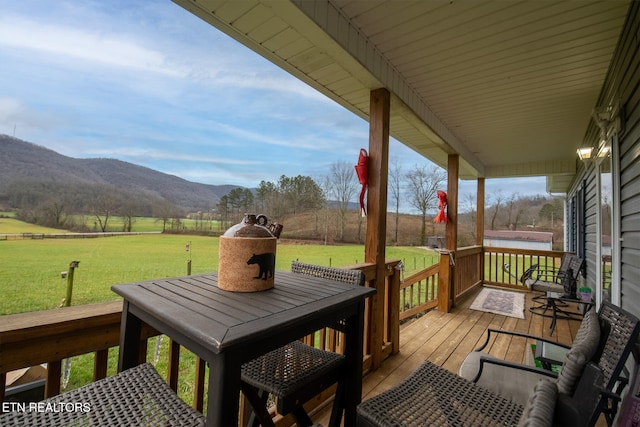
(22, 160)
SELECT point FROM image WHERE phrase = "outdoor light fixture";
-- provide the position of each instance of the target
(608, 120)
(604, 151)
(585, 153)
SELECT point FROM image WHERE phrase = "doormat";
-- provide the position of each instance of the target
(506, 303)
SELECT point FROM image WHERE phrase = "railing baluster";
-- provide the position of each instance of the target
(100, 364)
(198, 388)
(52, 387)
(173, 365)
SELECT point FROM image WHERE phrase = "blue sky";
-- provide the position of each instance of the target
(149, 83)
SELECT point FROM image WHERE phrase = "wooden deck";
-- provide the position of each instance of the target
(446, 339)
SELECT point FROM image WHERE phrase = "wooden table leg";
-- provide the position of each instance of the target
(130, 331)
(352, 393)
(224, 391)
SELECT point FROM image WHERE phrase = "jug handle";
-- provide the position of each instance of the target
(262, 220)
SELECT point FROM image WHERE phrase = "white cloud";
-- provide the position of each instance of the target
(84, 44)
(14, 114)
(11, 110)
(253, 81)
(263, 138)
(150, 154)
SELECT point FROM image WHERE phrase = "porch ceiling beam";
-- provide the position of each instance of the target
(547, 168)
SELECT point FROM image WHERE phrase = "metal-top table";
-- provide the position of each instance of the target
(555, 300)
(227, 329)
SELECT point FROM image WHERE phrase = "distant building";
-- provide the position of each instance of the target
(538, 240)
(436, 241)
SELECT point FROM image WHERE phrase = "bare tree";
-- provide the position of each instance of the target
(164, 210)
(471, 204)
(422, 187)
(498, 198)
(127, 213)
(512, 204)
(54, 214)
(343, 187)
(325, 188)
(395, 182)
(105, 203)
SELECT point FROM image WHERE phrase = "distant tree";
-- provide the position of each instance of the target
(128, 214)
(240, 200)
(512, 203)
(395, 190)
(498, 199)
(422, 187)
(552, 210)
(325, 188)
(104, 203)
(300, 193)
(223, 210)
(54, 214)
(471, 204)
(164, 211)
(343, 187)
(268, 197)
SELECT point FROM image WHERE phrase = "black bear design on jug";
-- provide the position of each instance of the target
(267, 264)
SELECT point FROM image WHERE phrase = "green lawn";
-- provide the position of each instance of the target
(30, 278)
(14, 226)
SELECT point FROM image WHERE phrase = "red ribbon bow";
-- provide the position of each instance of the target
(442, 205)
(362, 170)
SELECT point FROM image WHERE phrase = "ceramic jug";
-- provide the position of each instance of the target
(247, 255)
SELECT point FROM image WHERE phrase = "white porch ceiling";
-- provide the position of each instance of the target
(508, 85)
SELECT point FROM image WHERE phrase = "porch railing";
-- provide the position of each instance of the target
(419, 292)
(461, 271)
(505, 266)
(30, 339)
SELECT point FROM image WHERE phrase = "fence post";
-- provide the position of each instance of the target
(445, 277)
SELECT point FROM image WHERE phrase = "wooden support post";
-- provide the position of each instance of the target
(452, 202)
(446, 277)
(480, 226)
(380, 104)
(480, 213)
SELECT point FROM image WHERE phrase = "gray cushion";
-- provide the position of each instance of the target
(471, 365)
(542, 286)
(584, 347)
(538, 411)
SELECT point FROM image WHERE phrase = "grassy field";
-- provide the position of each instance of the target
(30, 270)
(14, 226)
(30, 278)
(10, 225)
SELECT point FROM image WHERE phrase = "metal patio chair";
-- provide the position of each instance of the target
(434, 396)
(297, 372)
(605, 338)
(551, 280)
(137, 396)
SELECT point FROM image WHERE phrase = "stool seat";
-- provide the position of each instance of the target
(135, 397)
